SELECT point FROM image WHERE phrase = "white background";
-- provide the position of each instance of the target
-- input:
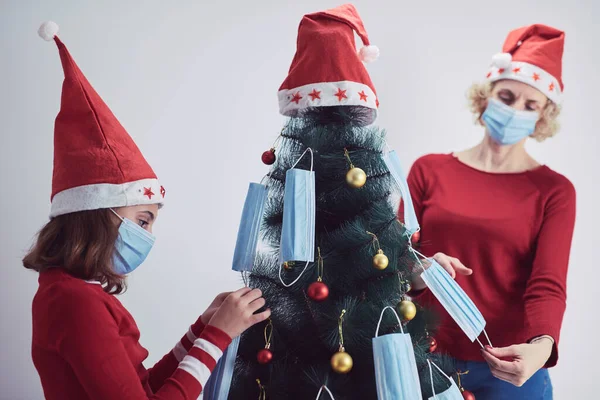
(195, 84)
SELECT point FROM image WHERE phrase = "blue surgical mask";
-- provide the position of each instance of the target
(410, 217)
(452, 393)
(298, 228)
(454, 300)
(218, 384)
(396, 374)
(247, 238)
(132, 246)
(507, 125)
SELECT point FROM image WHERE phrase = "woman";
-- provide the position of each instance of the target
(508, 219)
(105, 200)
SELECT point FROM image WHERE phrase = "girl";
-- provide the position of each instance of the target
(105, 200)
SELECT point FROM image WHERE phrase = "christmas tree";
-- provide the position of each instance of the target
(325, 313)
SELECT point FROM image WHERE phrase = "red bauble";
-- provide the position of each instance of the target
(268, 157)
(432, 344)
(264, 356)
(468, 395)
(318, 291)
(415, 237)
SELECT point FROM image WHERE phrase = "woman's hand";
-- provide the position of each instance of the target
(236, 313)
(214, 306)
(524, 360)
(452, 265)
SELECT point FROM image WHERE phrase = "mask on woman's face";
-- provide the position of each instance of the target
(132, 246)
(507, 125)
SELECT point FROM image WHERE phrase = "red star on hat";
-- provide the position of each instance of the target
(341, 94)
(296, 98)
(536, 77)
(551, 87)
(517, 70)
(488, 74)
(162, 191)
(501, 70)
(363, 95)
(315, 94)
(148, 192)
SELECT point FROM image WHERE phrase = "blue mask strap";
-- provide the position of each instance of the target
(321, 391)
(300, 158)
(118, 216)
(381, 318)
(295, 280)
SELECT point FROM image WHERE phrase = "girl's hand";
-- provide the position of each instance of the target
(524, 360)
(214, 306)
(236, 313)
(452, 265)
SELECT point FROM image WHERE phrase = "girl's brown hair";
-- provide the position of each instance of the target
(83, 244)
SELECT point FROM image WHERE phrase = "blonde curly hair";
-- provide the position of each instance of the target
(546, 127)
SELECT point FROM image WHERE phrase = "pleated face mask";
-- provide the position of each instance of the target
(219, 383)
(410, 217)
(452, 393)
(247, 238)
(298, 229)
(396, 374)
(454, 299)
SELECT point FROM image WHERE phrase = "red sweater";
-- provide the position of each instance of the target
(85, 345)
(514, 231)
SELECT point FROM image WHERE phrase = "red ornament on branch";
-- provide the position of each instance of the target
(264, 356)
(468, 395)
(318, 291)
(268, 157)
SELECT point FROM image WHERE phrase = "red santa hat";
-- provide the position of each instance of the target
(327, 70)
(533, 55)
(96, 163)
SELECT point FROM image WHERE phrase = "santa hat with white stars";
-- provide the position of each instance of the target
(96, 163)
(532, 55)
(327, 70)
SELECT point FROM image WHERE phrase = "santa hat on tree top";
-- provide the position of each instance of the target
(96, 163)
(532, 55)
(327, 70)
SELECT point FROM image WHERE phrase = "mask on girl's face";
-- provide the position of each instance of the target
(507, 125)
(132, 246)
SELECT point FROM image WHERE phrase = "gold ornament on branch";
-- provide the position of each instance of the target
(380, 260)
(341, 361)
(355, 177)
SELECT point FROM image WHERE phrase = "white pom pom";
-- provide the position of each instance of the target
(502, 60)
(48, 30)
(368, 53)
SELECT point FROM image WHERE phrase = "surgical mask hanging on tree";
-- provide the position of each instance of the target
(299, 203)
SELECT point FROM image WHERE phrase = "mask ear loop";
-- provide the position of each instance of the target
(300, 158)
(430, 363)
(321, 391)
(295, 280)
(381, 318)
(118, 216)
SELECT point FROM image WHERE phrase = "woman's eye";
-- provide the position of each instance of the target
(142, 223)
(506, 100)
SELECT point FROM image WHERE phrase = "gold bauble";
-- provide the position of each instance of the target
(356, 177)
(407, 310)
(341, 362)
(380, 261)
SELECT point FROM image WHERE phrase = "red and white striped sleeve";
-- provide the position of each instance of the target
(164, 368)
